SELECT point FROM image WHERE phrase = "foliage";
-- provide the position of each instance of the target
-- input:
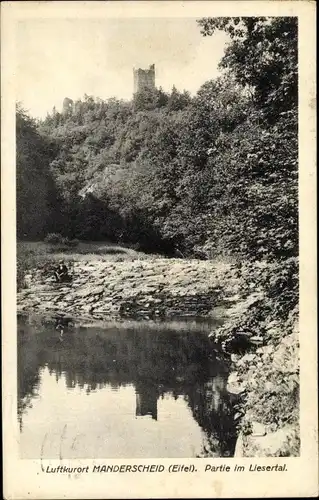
(53, 238)
(262, 54)
(62, 241)
(206, 175)
(27, 259)
(256, 173)
(36, 193)
(72, 243)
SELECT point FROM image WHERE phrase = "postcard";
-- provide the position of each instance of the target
(158, 237)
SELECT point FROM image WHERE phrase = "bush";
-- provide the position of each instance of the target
(58, 239)
(54, 238)
(27, 259)
(73, 243)
(65, 241)
(69, 243)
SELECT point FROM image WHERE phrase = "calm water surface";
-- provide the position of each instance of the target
(121, 391)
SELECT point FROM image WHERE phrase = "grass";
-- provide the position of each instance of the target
(36, 255)
(104, 251)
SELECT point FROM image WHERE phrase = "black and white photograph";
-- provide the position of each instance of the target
(157, 204)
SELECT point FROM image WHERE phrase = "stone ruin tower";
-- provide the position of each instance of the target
(144, 78)
(68, 106)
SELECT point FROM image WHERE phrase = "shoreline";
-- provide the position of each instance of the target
(138, 290)
(147, 289)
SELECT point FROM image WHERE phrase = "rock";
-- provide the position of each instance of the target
(237, 415)
(90, 290)
(248, 358)
(243, 334)
(256, 340)
(177, 287)
(257, 429)
(285, 358)
(269, 387)
(233, 298)
(84, 293)
(280, 443)
(272, 324)
(234, 385)
(268, 349)
(86, 308)
(235, 358)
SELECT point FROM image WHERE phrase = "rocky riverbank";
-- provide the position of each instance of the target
(261, 341)
(262, 338)
(145, 289)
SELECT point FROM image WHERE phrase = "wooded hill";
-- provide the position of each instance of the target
(211, 174)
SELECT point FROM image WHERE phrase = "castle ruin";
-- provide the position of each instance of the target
(144, 78)
(68, 106)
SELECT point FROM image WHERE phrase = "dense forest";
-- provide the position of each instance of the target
(204, 175)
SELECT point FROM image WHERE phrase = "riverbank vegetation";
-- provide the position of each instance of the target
(205, 176)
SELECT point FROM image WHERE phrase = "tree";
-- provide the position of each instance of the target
(263, 55)
(145, 99)
(254, 199)
(178, 100)
(36, 192)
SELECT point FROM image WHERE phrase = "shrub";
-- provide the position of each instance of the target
(69, 243)
(54, 238)
(58, 239)
(73, 243)
(65, 241)
(27, 259)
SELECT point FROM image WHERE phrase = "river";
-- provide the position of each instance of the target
(121, 390)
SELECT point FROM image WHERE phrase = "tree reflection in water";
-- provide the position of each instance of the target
(156, 361)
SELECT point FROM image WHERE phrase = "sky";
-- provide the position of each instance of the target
(58, 58)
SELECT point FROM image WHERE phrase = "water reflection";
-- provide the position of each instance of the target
(146, 400)
(161, 388)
